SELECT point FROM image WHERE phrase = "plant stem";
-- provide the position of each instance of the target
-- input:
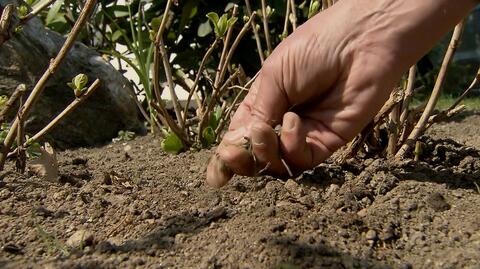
(52, 68)
(234, 46)
(197, 79)
(420, 127)
(287, 18)
(35, 11)
(19, 91)
(226, 43)
(294, 14)
(216, 94)
(69, 109)
(408, 93)
(452, 109)
(255, 33)
(265, 27)
(5, 19)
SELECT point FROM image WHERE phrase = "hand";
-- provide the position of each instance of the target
(326, 81)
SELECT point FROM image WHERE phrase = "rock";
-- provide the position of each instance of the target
(80, 239)
(25, 57)
(331, 190)
(371, 235)
(294, 188)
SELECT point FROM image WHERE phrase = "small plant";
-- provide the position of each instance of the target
(51, 242)
(124, 136)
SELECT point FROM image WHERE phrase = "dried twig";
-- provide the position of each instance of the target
(255, 33)
(235, 43)
(5, 21)
(69, 109)
(221, 68)
(265, 27)
(216, 94)
(294, 14)
(197, 79)
(287, 19)
(52, 68)
(35, 11)
(19, 91)
(420, 127)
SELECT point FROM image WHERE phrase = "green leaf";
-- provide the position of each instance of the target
(222, 26)
(204, 29)
(117, 11)
(54, 12)
(117, 35)
(208, 136)
(155, 23)
(171, 143)
(232, 21)
(212, 16)
(314, 8)
(80, 81)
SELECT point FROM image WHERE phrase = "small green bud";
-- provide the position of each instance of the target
(22, 11)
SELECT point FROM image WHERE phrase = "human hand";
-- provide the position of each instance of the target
(326, 81)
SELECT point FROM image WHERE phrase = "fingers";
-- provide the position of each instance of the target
(306, 142)
(266, 150)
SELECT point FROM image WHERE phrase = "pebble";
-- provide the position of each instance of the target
(371, 235)
(270, 212)
(80, 238)
(294, 188)
(331, 190)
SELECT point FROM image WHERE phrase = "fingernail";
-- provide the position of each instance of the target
(236, 135)
(289, 125)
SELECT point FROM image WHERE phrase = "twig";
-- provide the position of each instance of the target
(52, 68)
(255, 33)
(455, 108)
(215, 95)
(234, 46)
(168, 74)
(69, 109)
(408, 93)
(226, 42)
(420, 127)
(5, 20)
(287, 19)
(197, 79)
(168, 121)
(294, 14)
(160, 47)
(35, 11)
(19, 91)
(20, 162)
(265, 27)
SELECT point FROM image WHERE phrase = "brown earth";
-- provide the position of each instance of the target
(134, 206)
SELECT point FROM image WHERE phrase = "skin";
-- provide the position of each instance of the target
(327, 80)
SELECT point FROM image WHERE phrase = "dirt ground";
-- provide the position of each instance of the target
(128, 205)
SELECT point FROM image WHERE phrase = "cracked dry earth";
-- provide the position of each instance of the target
(129, 205)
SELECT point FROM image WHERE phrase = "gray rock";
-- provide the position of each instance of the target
(25, 57)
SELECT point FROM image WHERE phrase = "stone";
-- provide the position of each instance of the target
(80, 239)
(294, 188)
(25, 57)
